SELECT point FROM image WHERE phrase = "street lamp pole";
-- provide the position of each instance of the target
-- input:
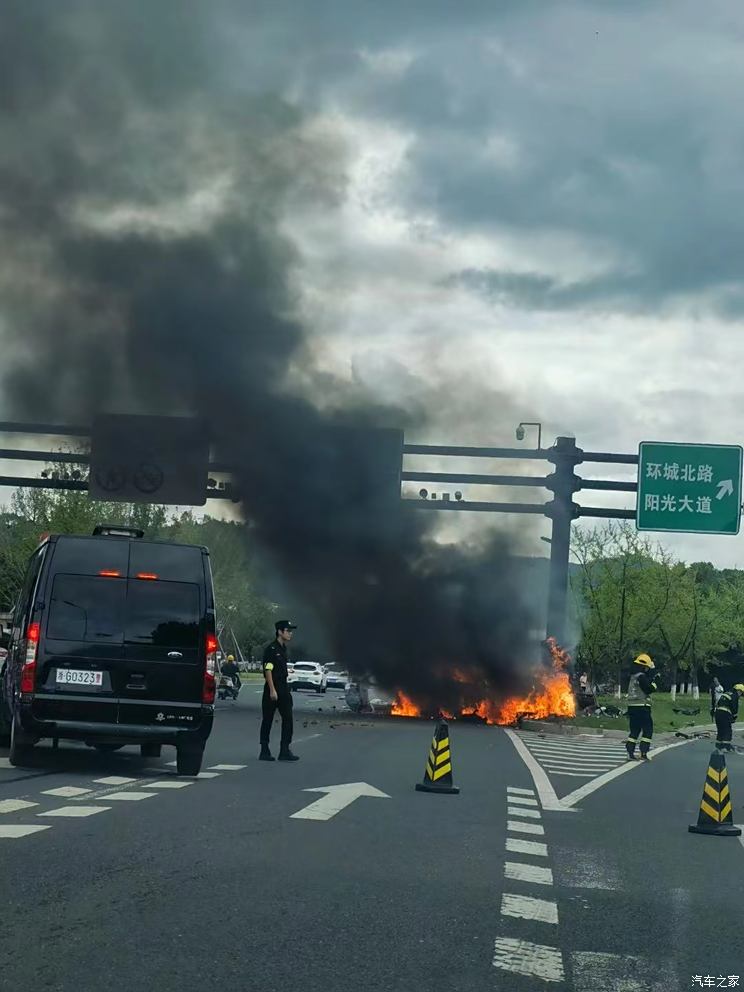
(530, 423)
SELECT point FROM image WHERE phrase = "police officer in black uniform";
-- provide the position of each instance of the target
(276, 694)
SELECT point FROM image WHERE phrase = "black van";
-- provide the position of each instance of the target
(113, 643)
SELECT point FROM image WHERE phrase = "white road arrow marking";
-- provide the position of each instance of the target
(337, 797)
(725, 488)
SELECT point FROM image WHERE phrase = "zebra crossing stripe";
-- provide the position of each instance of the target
(522, 957)
(529, 908)
(518, 872)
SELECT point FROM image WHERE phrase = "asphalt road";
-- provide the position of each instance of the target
(213, 884)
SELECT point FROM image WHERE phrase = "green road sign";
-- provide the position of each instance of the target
(690, 488)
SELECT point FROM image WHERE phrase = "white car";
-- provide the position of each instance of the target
(307, 675)
(337, 680)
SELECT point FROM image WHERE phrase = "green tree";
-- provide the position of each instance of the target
(621, 588)
(243, 609)
(630, 596)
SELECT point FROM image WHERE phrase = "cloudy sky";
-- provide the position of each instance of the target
(536, 213)
(543, 218)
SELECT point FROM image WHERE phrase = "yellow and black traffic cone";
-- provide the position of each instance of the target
(438, 774)
(716, 813)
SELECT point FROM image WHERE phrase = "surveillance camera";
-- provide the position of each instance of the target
(458, 495)
(423, 493)
(520, 433)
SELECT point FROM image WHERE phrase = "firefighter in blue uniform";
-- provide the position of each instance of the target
(642, 684)
(725, 713)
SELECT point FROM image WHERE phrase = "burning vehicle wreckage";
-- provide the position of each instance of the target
(551, 697)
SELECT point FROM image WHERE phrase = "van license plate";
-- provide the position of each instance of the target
(72, 676)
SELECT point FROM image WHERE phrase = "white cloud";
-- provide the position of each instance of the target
(374, 290)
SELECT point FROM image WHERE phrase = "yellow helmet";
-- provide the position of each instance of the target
(739, 688)
(231, 657)
(644, 660)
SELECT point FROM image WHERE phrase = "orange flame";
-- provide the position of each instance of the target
(550, 696)
(403, 706)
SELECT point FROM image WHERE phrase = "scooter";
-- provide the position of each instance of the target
(228, 687)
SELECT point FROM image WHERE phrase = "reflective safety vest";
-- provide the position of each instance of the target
(729, 703)
(637, 696)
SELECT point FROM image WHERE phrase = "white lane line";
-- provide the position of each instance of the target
(75, 811)
(171, 764)
(524, 828)
(579, 759)
(589, 766)
(599, 739)
(525, 958)
(529, 908)
(513, 790)
(303, 740)
(574, 766)
(5, 763)
(517, 846)
(226, 768)
(523, 800)
(563, 771)
(519, 872)
(610, 752)
(14, 805)
(115, 780)
(130, 797)
(598, 745)
(584, 747)
(8, 832)
(583, 791)
(545, 790)
(168, 785)
(206, 775)
(66, 792)
(533, 814)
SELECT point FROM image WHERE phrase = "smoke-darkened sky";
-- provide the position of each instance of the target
(158, 184)
(443, 219)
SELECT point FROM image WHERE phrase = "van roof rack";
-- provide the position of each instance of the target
(117, 530)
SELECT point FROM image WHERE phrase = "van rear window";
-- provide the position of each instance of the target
(90, 555)
(164, 614)
(171, 562)
(87, 608)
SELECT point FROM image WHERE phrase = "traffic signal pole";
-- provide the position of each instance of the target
(561, 509)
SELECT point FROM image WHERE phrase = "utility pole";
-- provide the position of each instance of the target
(562, 510)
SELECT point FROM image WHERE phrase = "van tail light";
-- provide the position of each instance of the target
(209, 687)
(28, 672)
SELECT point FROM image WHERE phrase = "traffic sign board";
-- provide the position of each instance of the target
(689, 488)
(149, 460)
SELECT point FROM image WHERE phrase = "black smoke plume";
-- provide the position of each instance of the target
(144, 177)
